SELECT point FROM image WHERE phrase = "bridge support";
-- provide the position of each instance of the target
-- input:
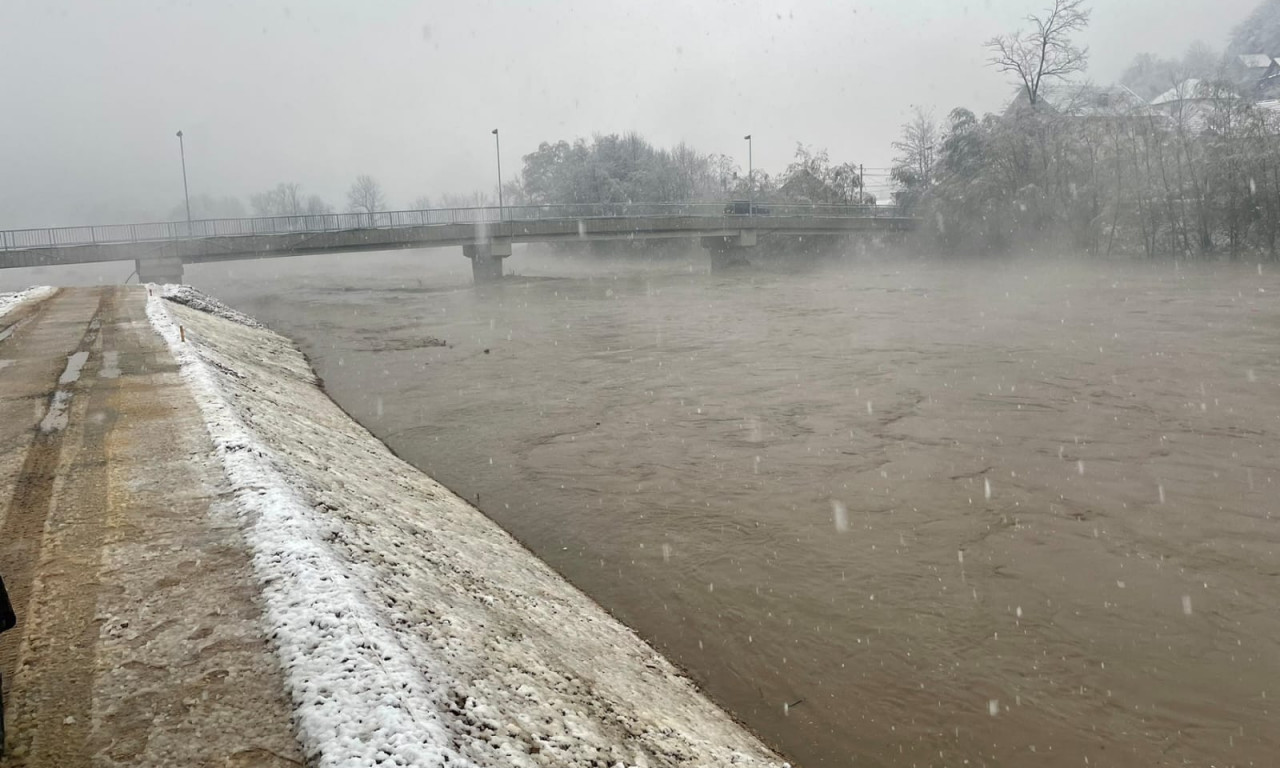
(159, 269)
(729, 252)
(486, 259)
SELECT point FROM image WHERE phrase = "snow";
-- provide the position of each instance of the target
(412, 630)
(359, 697)
(75, 362)
(1255, 60)
(190, 297)
(10, 300)
(55, 419)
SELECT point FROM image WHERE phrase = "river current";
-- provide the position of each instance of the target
(892, 512)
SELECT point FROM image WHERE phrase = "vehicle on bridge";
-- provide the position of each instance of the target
(746, 208)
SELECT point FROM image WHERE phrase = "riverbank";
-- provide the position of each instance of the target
(409, 628)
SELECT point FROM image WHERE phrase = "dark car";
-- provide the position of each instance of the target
(745, 208)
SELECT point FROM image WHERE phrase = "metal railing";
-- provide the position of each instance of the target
(59, 237)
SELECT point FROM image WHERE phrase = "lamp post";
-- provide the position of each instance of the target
(186, 196)
(497, 146)
(751, 183)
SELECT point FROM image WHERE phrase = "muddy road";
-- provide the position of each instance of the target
(139, 640)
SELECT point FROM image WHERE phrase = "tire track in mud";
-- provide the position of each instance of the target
(13, 321)
(23, 543)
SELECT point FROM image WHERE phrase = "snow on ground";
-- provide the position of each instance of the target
(10, 300)
(188, 296)
(413, 630)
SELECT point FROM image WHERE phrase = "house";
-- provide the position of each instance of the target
(1083, 102)
(1258, 75)
(1255, 65)
(1191, 103)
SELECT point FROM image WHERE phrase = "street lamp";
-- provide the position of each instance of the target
(497, 146)
(751, 186)
(186, 196)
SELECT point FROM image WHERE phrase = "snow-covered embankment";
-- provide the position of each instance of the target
(10, 300)
(413, 630)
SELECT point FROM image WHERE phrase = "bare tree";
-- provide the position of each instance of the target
(316, 206)
(365, 195)
(420, 203)
(918, 146)
(284, 200)
(1045, 51)
(913, 168)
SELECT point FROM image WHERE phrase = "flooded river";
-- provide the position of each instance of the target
(888, 514)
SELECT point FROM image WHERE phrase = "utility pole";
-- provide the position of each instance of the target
(497, 145)
(751, 182)
(186, 196)
(862, 184)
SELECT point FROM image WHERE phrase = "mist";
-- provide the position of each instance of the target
(407, 92)
(904, 373)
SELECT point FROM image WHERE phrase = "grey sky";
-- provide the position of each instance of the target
(317, 92)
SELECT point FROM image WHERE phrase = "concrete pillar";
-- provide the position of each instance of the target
(159, 269)
(729, 252)
(486, 259)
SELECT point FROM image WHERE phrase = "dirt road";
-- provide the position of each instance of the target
(139, 640)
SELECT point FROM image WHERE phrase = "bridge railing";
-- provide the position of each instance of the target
(57, 237)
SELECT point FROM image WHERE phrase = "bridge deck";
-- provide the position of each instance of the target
(229, 239)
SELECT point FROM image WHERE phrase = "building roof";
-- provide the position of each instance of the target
(1082, 99)
(1254, 60)
(1191, 89)
(1088, 100)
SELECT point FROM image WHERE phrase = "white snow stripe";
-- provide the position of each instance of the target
(10, 300)
(360, 698)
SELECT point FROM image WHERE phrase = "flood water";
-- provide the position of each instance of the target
(887, 513)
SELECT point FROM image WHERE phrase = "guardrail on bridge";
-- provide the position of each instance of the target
(58, 237)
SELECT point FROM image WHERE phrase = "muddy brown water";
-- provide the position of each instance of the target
(887, 513)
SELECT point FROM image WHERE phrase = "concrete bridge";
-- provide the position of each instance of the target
(485, 234)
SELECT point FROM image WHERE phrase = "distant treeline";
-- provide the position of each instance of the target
(617, 169)
(609, 168)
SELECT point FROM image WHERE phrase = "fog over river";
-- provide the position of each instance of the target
(889, 513)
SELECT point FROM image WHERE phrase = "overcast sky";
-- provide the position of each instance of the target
(318, 91)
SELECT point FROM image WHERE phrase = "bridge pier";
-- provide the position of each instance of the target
(486, 259)
(729, 252)
(159, 269)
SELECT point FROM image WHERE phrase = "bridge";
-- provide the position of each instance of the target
(485, 234)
